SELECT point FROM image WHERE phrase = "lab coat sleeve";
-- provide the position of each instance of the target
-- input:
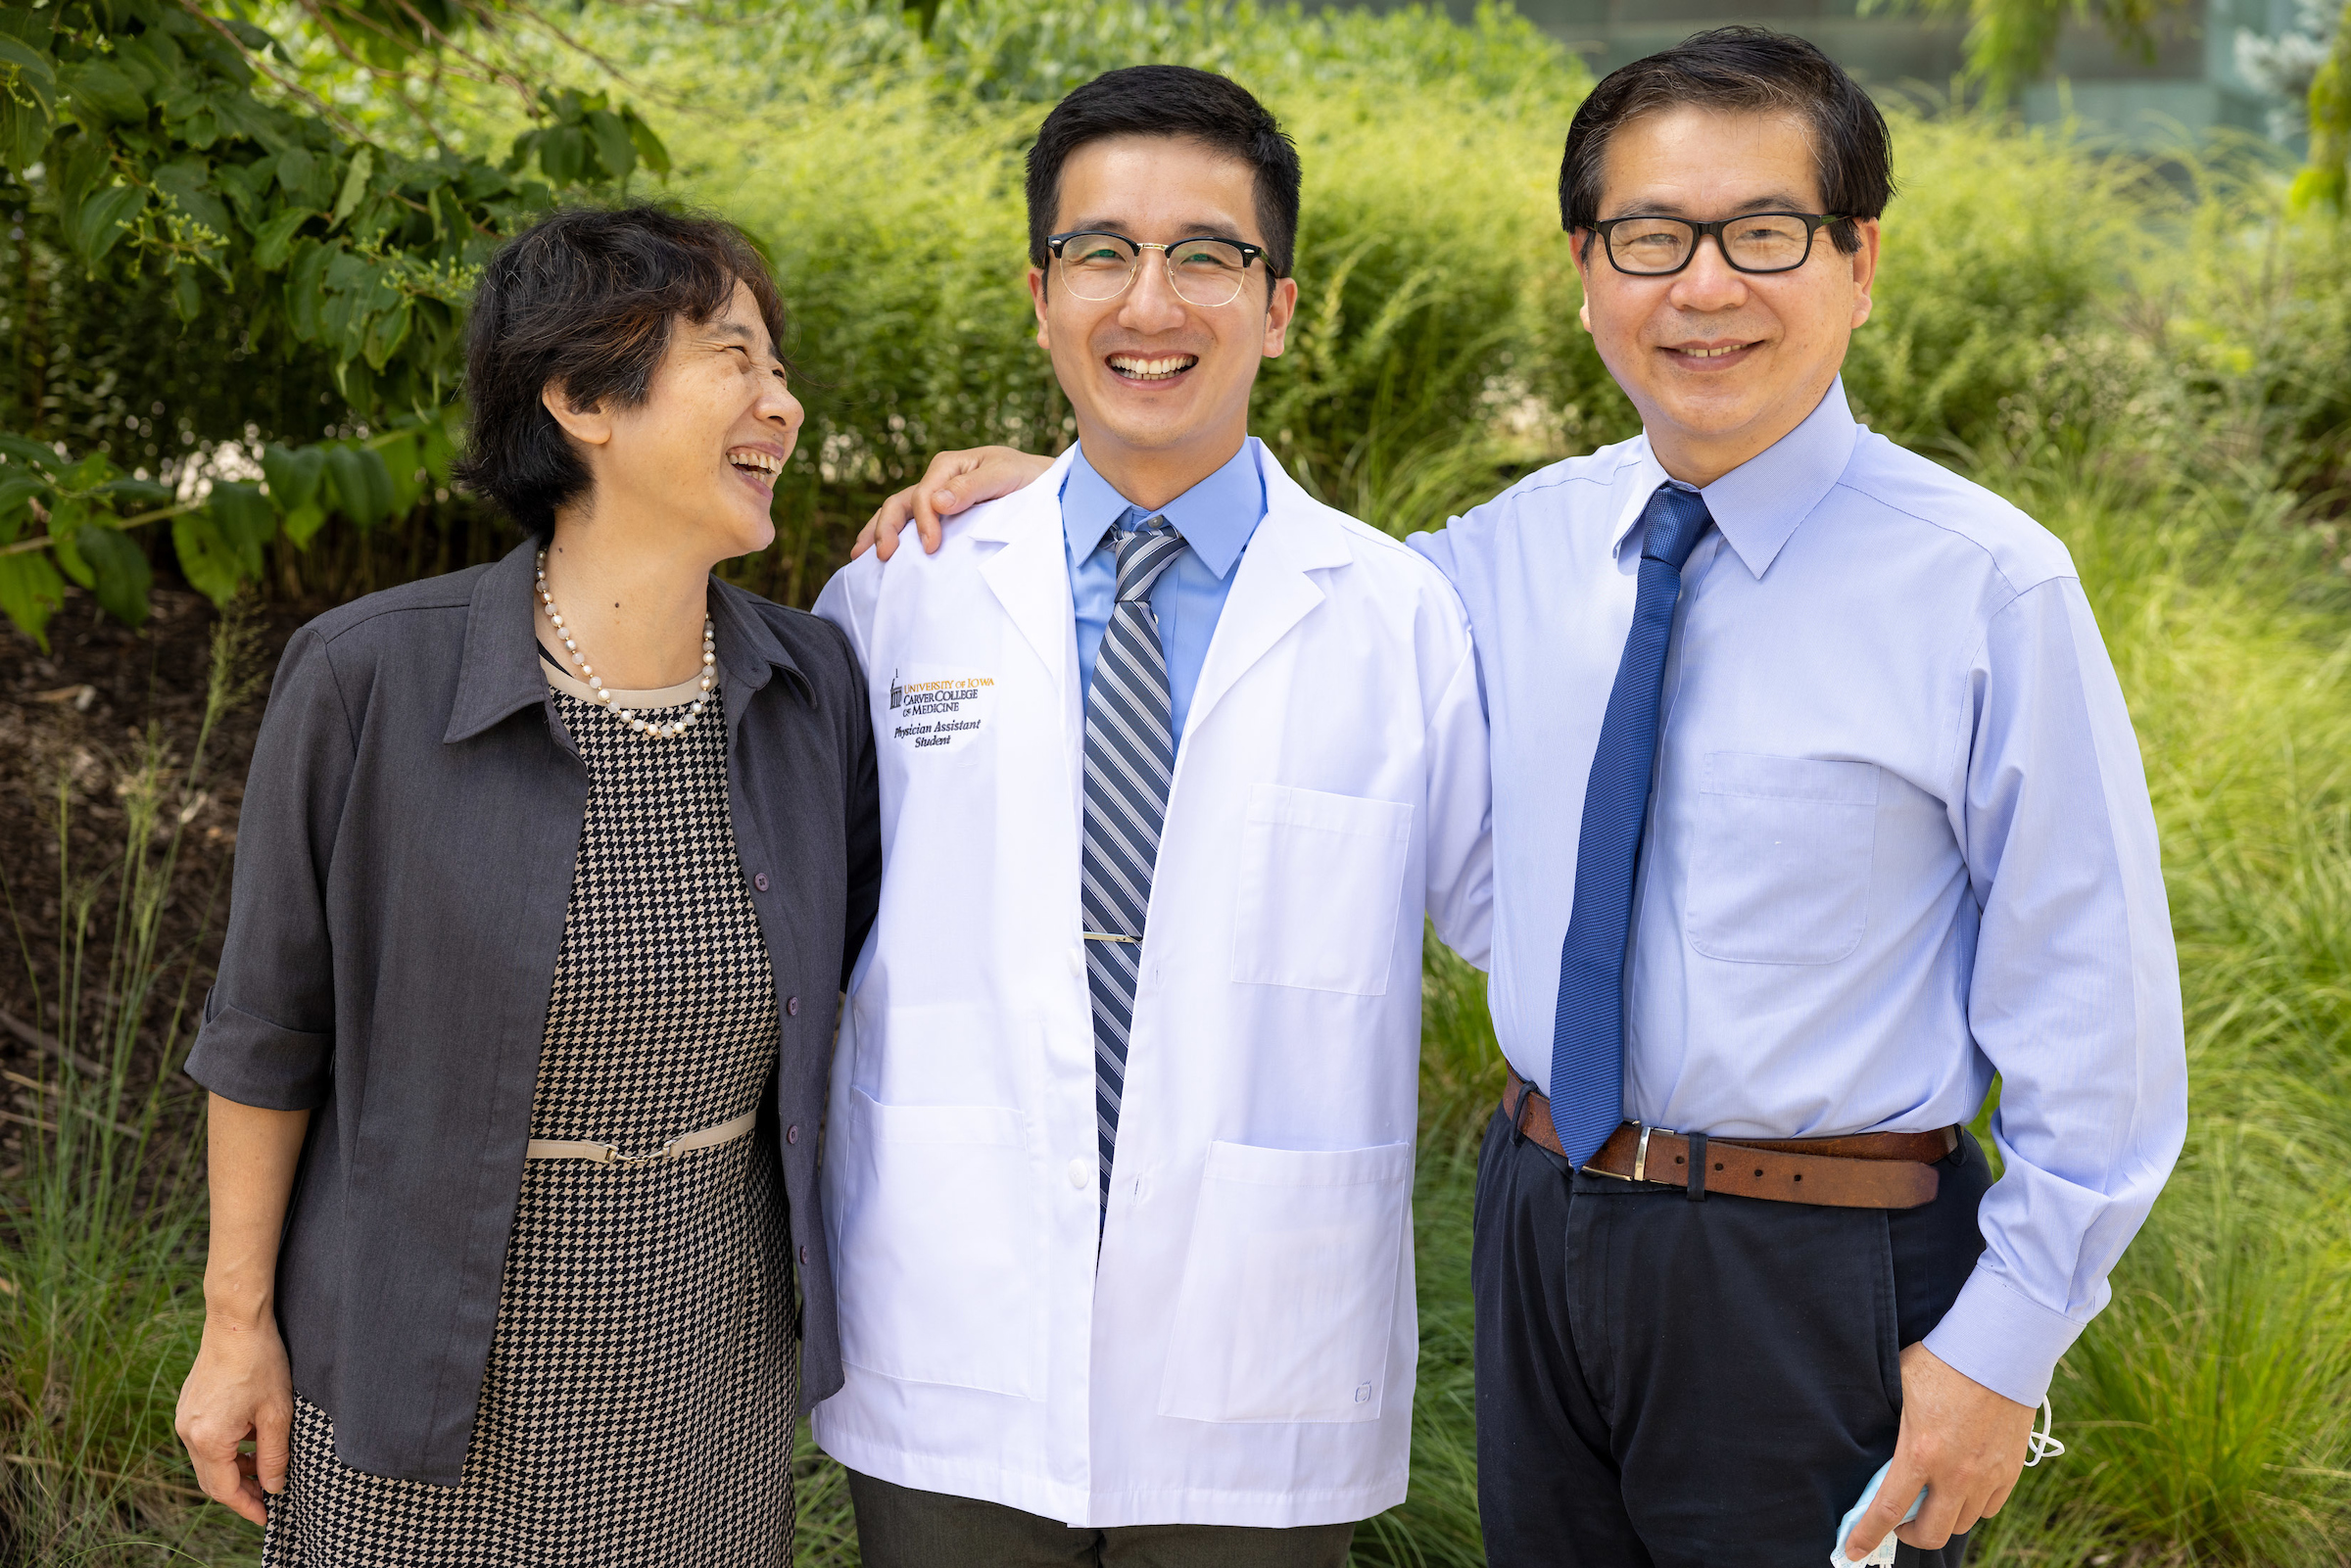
(1460, 814)
(848, 600)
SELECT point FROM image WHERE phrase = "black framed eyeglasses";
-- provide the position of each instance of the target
(1202, 271)
(1651, 246)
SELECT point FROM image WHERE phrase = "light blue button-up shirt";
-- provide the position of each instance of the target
(1215, 517)
(1899, 841)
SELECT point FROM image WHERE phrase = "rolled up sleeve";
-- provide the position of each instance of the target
(2075, 996)
(268, 1032)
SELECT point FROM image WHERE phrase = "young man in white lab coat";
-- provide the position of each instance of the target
(1175, 759)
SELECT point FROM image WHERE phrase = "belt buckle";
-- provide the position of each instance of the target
(1639, 1156)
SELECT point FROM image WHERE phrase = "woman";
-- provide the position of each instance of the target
(546, 881)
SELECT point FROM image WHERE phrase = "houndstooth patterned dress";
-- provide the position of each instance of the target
(641, 1389)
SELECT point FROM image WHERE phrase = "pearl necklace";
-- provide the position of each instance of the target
(609, 698)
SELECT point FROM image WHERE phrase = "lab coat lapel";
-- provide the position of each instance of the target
(1274, 589)
(1030, 576)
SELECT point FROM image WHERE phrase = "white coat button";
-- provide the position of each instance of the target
(1081, 1171)
(1077, 960)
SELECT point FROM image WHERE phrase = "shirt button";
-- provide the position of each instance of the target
(803, 1255)
(792, 1006)
(760, 882)
(1081, 1171)
(1077, 961)
(791, 1134)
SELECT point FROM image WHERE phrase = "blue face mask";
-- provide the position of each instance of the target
(2039, 1446)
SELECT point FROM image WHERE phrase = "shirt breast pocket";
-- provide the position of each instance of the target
(1780, 858)
(1321, 879)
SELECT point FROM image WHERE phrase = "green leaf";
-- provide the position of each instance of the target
(293, 473)
(614, 148)
(400, 467)
(24, 134)
(245, 519)
(562, 152)
(102, 218)
(305, 178)
(355, 184)
(83, 167)
(16, 491)
(246, 187)
(305, 282)
(33, 453)
(185, 181)
(187, 300)
(26, 69)
(64, 526)
(139, 491)
(207, 559)
(30, 592)
(649, 145)
(385, 334)
(124, 575)
(273, 240)
(439, 449)
(303, 522)
(101, 95)
(363, 485)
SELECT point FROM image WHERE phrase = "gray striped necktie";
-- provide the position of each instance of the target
(1130, 761)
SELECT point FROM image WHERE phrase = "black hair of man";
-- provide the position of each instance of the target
(1739, 70)
(1198, 106)
(585, 300)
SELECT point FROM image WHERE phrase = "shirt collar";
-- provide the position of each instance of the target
(497, 672)
(1216, 516)
(1758, 505)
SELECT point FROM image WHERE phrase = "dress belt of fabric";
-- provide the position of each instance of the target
(1862, 1170)
(609, 1153)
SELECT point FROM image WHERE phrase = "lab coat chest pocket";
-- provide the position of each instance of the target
(1780, 858)
(942, 1247)
(1322, 876)
(1289, 1286)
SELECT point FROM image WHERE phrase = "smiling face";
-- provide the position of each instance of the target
(1721, 364)
(696, 460)
(1160, 386)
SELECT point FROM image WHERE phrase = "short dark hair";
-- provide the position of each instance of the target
(1198, 106)
(585, 298)
(1739, 69)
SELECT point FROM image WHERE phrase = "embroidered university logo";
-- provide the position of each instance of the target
(933, 706)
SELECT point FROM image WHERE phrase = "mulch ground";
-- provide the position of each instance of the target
(85, 712)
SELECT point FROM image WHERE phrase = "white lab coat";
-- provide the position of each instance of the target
(1242, 1350)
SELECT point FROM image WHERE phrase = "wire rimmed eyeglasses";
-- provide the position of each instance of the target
(1652, 245)
(1202, 271)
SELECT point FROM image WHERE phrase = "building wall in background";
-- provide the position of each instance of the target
(2191, 81)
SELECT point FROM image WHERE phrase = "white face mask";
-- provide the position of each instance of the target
(2039, 1446)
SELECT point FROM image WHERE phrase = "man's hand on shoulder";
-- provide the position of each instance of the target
(1964, 1444)
(955, 481)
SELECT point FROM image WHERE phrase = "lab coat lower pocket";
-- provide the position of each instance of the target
(1780, 858)
(1321, 879)
(942, 1247)
(1290, 1287)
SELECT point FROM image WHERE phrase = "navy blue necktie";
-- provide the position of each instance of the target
(1587, 1042)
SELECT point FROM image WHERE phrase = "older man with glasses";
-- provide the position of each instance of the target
(1816, 806)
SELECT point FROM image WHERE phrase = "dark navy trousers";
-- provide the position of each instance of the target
(1670, 1384)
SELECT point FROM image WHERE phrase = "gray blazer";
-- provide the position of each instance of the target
(403, 861)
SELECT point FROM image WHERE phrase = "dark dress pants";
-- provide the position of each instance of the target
(1670, 1384)
(901, 1527)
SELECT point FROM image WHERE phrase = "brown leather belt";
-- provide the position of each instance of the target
(1867, 1170)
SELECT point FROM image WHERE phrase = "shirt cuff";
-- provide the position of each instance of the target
(2003, 1339)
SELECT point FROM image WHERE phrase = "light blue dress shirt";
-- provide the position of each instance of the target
(1899, 841)
(1215, 517)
